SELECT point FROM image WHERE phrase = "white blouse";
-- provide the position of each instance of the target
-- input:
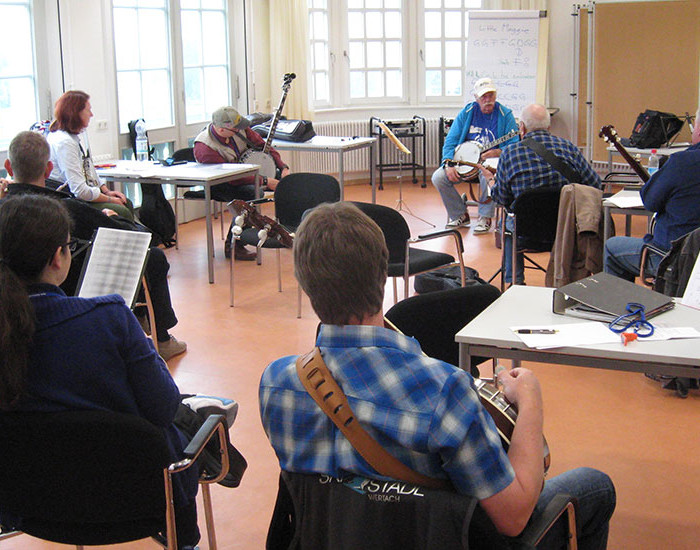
(73, 164)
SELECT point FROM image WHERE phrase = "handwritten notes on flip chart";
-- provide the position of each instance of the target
(508, 47)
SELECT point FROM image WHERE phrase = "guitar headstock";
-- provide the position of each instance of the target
(268, 227)
(287, 81)
(609, 134)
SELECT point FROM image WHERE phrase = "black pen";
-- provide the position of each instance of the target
(536, 331)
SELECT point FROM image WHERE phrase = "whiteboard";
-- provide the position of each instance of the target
(511, 48)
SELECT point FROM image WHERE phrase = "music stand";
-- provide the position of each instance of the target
(400, 203)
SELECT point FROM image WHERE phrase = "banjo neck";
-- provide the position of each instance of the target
(286, 84)
(496, 142)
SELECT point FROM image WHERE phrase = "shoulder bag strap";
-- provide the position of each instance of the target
(554, 161)
(323, 388)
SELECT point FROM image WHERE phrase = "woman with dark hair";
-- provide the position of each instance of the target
(71, 158)
(66, 353)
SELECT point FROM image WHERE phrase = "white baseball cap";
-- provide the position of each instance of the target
(483, 86)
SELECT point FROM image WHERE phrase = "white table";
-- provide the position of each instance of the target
(489, 335)
(191, 173)
(338, 145)
(609, 207)
(645, 153)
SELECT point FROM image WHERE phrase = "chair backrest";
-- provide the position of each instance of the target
(186, 153)
(536, 213)
(320, 512)
(82, 477)
(394, 227)
(296, 193)
(423, 317)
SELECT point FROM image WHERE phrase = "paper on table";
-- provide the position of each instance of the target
(593, 332)
(691, 296)
(626, 202)
(570, 334)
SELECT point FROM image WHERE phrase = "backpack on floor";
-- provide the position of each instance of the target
(445, 279)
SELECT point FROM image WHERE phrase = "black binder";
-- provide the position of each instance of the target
(603, 297)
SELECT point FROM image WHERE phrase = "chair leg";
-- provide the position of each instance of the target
(230, 283)
(393, 279)
(405, 287)
(151, 315)
(279, 270)
(298, 301)
(209, 516)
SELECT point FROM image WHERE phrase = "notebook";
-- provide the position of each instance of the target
(604, 297)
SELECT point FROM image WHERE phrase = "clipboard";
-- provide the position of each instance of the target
(604, 297)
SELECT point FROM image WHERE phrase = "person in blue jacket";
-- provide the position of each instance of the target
(483, 120)
(673, 192)
(61, 353)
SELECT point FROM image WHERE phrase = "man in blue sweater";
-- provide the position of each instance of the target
(673, 193)
(484, 120)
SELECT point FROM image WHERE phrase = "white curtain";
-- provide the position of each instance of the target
(516, 4)
(289, 53)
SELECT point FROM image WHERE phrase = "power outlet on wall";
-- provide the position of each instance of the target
(101, 125)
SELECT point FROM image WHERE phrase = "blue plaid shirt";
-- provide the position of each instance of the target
(423, 411)
(521, 169)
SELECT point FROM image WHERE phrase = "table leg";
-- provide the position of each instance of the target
(210, 237)
(465, 359)
(607, 220)
(372, 174)
(177, 225)
(341, 175)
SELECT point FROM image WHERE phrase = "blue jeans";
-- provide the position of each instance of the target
(508, 251)
(595, 494)
(622, 257)
(453, 200)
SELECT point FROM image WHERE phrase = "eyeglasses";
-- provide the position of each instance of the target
(76, 246)
(634, 319)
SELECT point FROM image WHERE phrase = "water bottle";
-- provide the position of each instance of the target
(653, 162)
(141, 141)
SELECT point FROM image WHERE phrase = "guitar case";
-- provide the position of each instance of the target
(288, 130)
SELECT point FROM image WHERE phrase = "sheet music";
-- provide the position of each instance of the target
(691, 296)
(115, 264)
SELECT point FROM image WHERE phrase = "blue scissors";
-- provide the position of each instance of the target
(635, 319)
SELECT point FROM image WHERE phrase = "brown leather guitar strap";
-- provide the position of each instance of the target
(323, 388)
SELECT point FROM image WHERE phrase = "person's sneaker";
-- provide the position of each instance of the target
(171, 347)
(462, 221)
(482, 225)
(242, 254)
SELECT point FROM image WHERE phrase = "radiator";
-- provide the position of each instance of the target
(358, 161)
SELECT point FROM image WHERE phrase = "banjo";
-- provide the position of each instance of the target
(263, 158)
(469, 153)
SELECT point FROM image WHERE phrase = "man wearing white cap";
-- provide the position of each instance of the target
(483, 120)
(225, 140)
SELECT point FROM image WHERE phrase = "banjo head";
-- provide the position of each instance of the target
(267, 165)
(468, 151)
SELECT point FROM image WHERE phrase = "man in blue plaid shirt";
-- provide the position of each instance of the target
(520, 169)
(423, 411)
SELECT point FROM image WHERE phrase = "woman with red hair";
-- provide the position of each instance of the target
(72, 162)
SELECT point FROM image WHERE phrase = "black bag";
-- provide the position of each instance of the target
(446, 279)
(188, 422)
(288, 130)
(653, 129)
(157, 214)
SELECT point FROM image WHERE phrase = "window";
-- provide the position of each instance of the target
(18, 96)
(446, 26)
(318, 33)
(374, 49)
(205, 57)
(371, 39)
(142, 49)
